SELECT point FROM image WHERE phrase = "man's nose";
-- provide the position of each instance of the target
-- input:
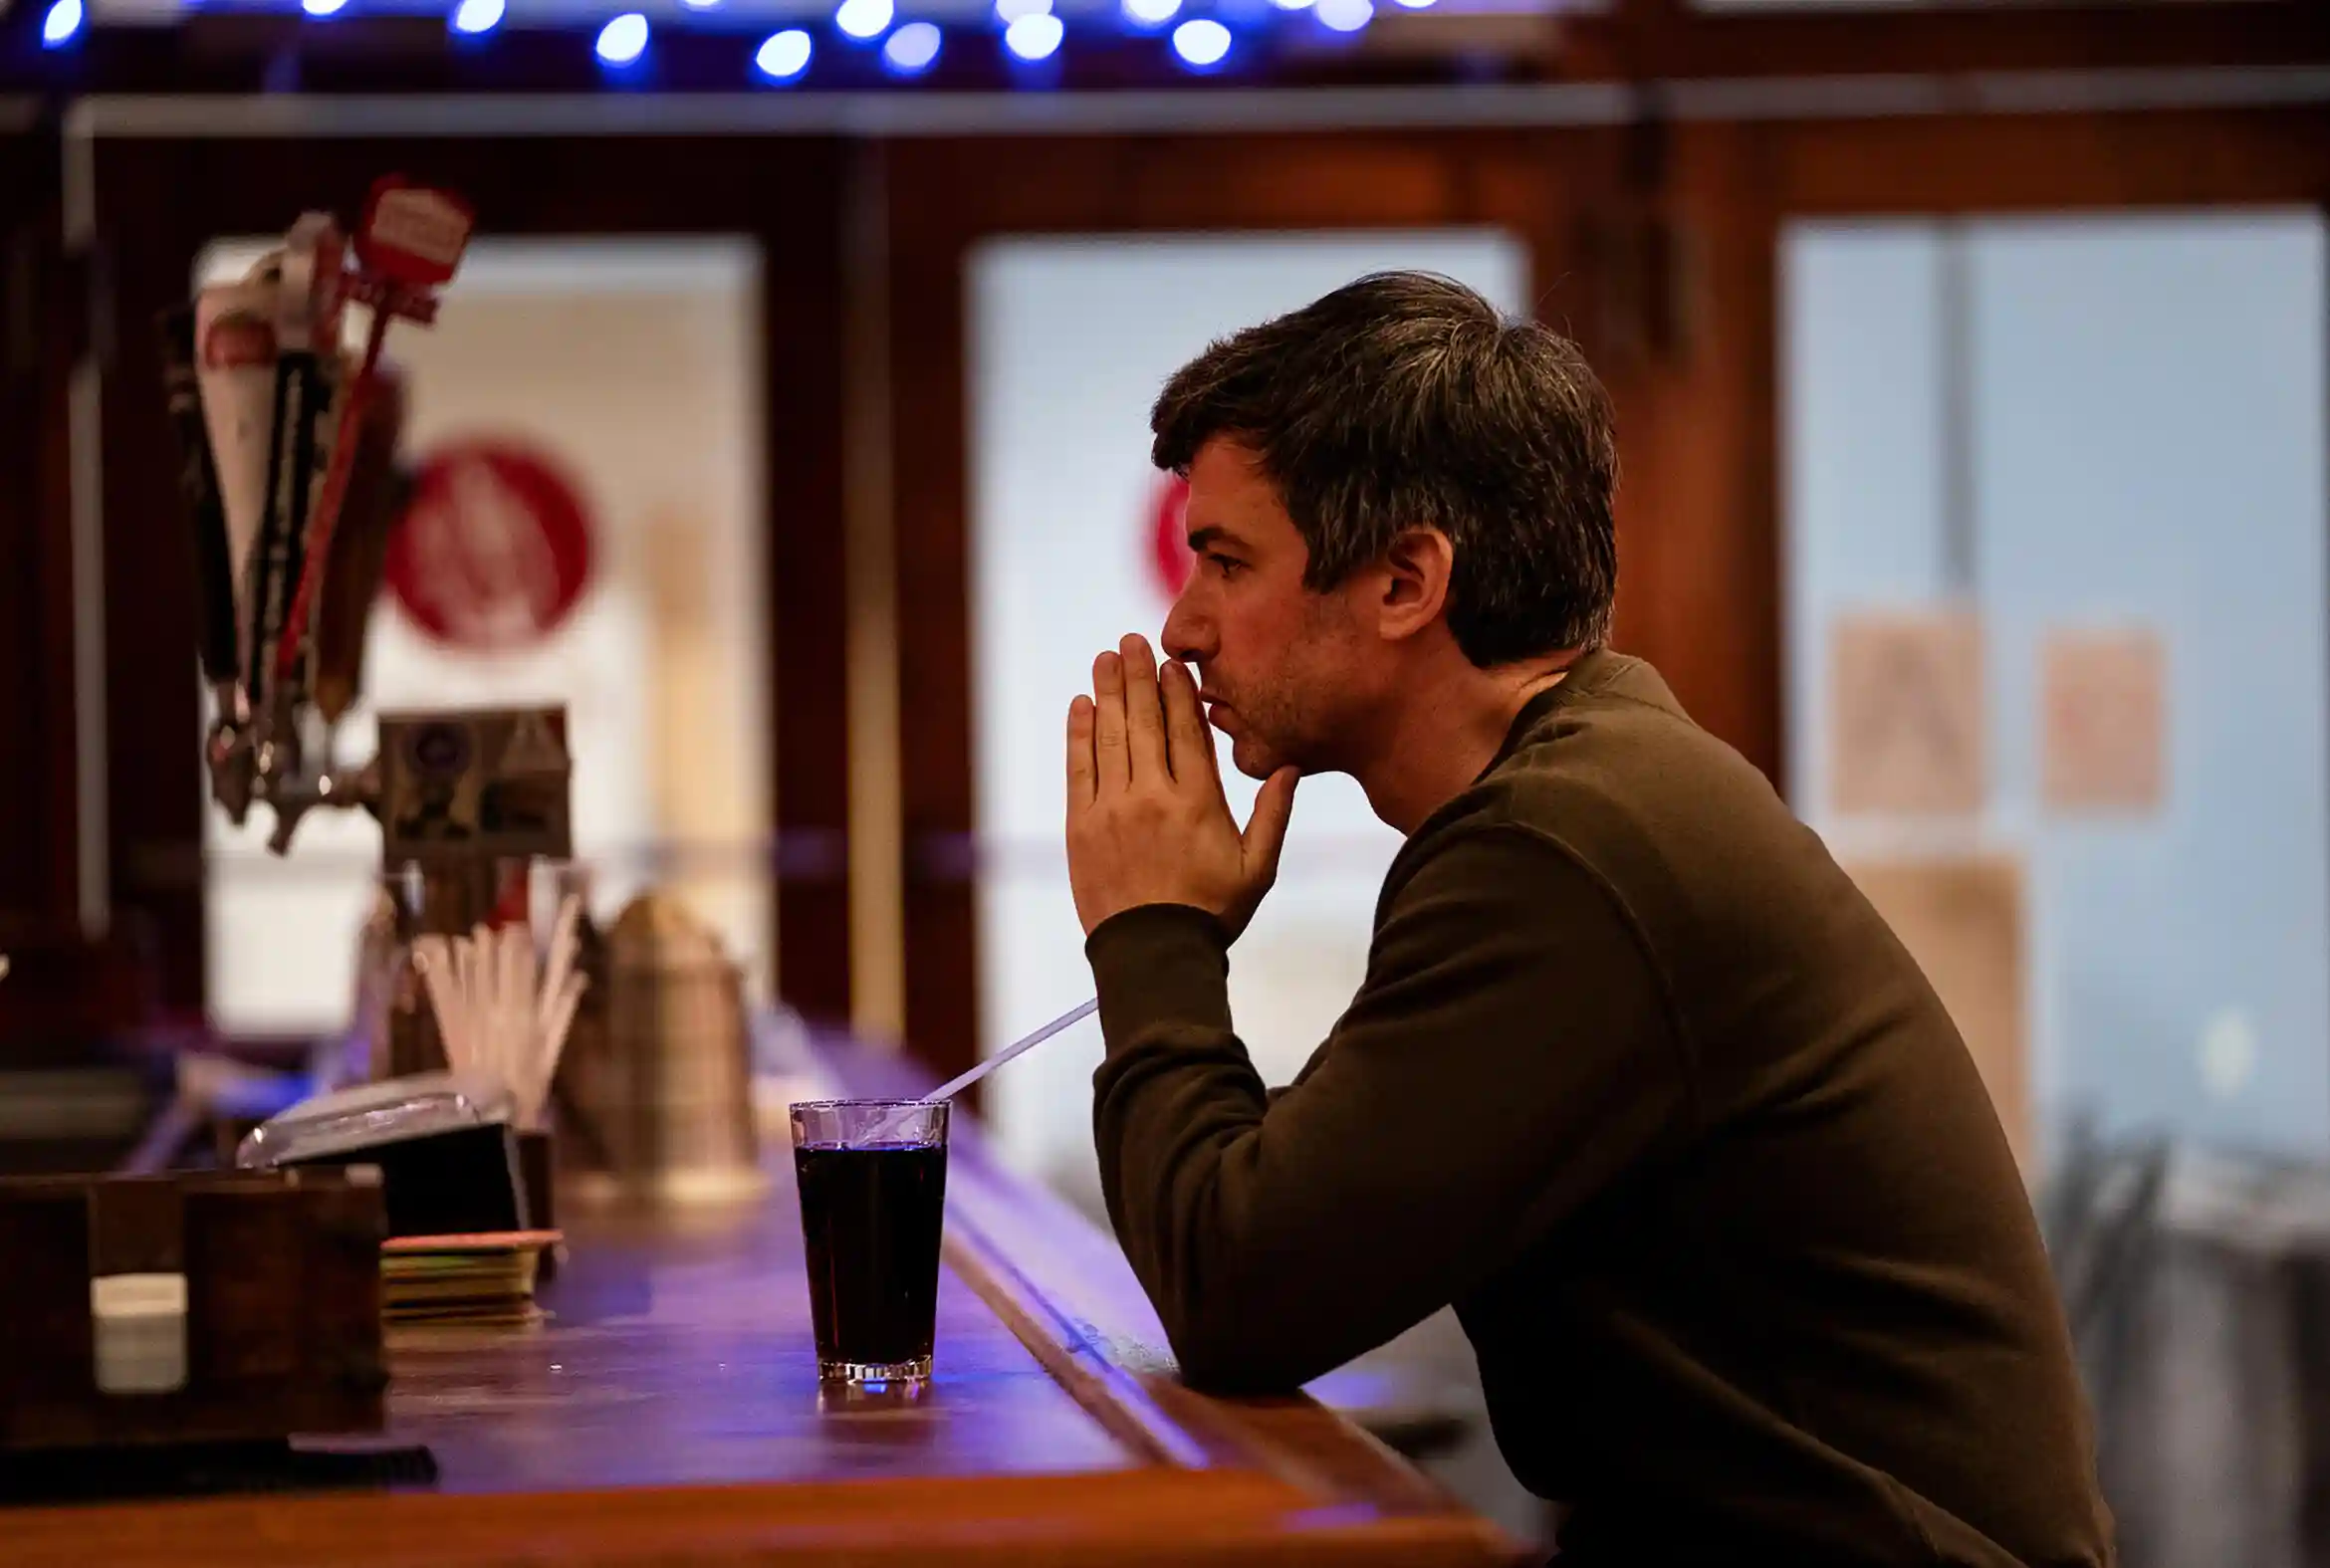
(1189, 632)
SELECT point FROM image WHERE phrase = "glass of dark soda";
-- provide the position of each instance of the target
(873, 1188)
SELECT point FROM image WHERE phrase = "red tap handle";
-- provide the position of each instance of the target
(409, 243)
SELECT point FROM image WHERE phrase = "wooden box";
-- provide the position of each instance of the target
(190, 1309)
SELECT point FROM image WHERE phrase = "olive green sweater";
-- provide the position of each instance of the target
(1642, 1084)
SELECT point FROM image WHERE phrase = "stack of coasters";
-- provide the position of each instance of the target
(459, 1249)
(481, 1280)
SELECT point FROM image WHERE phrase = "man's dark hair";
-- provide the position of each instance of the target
(1405, 399)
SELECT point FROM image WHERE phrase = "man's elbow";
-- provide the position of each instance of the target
(1239, 1356)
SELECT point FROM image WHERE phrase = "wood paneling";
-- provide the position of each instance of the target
(159, 202)
(1688, 358)
(935, 712)
(801, 317)
(2051, 162)
(1666, 38)
(39, 319)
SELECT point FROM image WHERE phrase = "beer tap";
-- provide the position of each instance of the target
(289, 469)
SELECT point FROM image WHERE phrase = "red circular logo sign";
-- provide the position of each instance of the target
(1169, 552)
(494, 549)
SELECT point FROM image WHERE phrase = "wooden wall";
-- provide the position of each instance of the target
(1653, 243)
(37, 821)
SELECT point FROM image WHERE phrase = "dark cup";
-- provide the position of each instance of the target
(873, 1185)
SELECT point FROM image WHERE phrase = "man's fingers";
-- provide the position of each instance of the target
(1144, 721)
(1081, 771)
(1266, 829)
(1189, 744)
(1112, 769)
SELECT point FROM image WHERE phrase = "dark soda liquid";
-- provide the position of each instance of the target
(870, 1221)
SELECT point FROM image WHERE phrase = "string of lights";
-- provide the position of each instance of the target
(1202, 36)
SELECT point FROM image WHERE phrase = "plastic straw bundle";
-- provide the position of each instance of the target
(502, 1013)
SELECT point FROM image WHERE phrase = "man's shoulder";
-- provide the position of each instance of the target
(1617, 779)
(1618, 742)
(1614, 711)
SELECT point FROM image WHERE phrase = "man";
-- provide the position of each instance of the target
(1636, 1081)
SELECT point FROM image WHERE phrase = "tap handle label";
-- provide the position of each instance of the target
(414, 235)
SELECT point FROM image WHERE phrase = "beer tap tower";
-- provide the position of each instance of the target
(289, 469)
(293, 483)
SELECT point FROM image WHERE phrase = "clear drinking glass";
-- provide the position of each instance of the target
(874, 1187)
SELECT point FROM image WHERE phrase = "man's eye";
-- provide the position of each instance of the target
(1226, 564)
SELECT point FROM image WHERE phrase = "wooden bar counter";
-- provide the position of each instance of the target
(670, 1414)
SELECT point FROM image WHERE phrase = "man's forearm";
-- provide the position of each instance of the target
(1177, 1085)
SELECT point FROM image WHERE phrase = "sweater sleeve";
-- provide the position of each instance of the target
(1509, 1057)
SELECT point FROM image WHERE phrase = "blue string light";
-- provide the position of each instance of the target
(1201, 42)
(478, 16)
(1034, 36)
(62, 23)
(912, 49)
(783, 57)
(864, 18)
(623, 40)
(1032, 32)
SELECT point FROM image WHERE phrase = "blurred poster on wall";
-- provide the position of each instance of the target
(1905, 696)
(1962, 919)
(2103, 710)
(494, 551)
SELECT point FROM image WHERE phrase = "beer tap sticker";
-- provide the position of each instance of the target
(495, 550)
(414, 235)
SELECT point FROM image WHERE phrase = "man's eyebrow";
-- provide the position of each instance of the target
(1204, 538)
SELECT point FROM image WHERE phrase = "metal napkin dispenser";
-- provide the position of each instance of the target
(667, 1084)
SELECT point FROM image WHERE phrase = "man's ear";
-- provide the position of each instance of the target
(1413, 579)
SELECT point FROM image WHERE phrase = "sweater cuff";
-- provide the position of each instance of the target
(1159, 964)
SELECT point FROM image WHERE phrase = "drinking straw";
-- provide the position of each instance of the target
(956, 1085)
